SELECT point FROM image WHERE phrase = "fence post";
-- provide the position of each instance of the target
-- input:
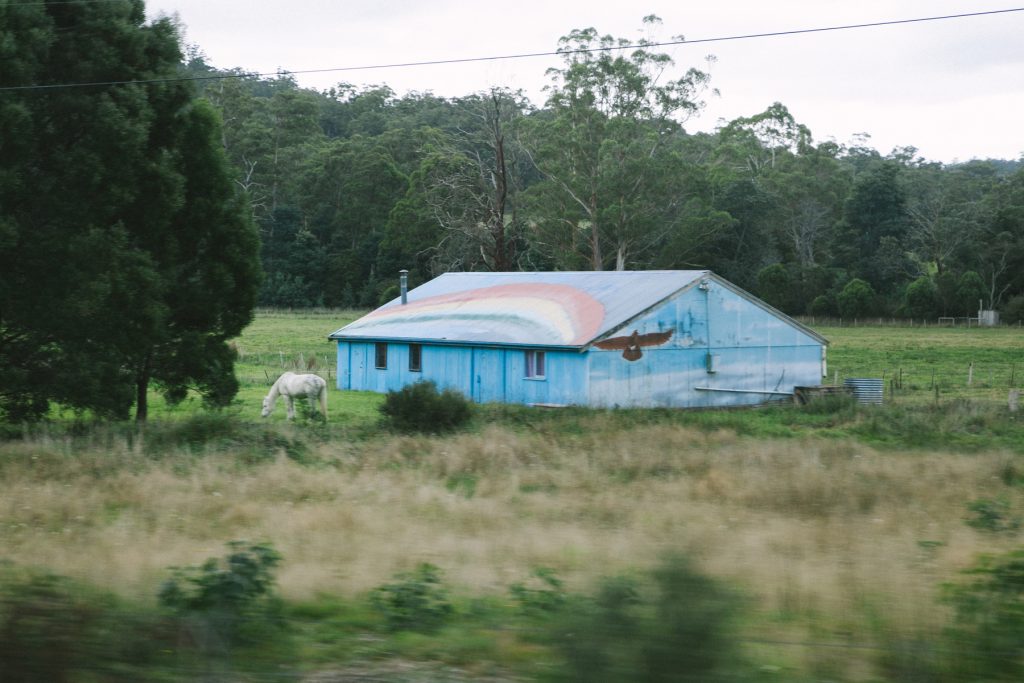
(970, 374)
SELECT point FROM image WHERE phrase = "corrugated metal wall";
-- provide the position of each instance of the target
(754, 351)
(484, 374)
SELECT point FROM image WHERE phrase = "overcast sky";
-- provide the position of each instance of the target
(954, 89)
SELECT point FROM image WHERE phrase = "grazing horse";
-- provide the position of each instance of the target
(293, 386)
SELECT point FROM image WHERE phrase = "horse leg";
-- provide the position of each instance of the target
(291, 407)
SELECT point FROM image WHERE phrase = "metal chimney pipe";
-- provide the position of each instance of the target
(403, 285)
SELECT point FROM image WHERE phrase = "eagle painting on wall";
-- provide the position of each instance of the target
(631, 344)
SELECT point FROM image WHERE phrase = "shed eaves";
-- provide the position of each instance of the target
(559, 309)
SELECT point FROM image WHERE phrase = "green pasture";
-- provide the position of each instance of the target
(980, 364)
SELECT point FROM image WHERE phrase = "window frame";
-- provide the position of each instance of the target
(535, 362)
(416, 351)
(380, 355)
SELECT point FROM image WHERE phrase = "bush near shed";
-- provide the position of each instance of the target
(421, 407)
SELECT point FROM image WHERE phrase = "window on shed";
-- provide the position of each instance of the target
(535, 365)
(415, 358)
(380, 356)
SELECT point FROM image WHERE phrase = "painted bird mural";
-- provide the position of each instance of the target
(631, 344)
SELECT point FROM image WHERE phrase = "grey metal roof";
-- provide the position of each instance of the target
(557, 309)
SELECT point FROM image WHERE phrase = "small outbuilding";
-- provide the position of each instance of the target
(681, 338)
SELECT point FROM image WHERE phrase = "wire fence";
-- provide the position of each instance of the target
(964, 322)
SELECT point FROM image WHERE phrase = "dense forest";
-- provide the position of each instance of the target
(349, 185)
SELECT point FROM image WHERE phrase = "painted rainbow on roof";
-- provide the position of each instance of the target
(549, 314)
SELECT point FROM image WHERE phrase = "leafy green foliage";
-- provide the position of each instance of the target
(226, 602)
(158, 256)
(543, 592)
(988, 635)
(55, 629)
(677, 628)
(857, 299)
(921, 299)
(414, 601)
(992, 515)
(234, 584)
(420, 407)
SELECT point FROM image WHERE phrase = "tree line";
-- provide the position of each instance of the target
(350, 185)
(142, 220)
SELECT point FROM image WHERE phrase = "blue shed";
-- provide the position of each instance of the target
(680, 338)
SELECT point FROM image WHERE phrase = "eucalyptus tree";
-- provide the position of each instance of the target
(998, 253)
(604, 147)
(127, 258)
(473, 184)
(947, 211)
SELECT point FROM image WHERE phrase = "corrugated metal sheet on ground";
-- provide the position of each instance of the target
(566, 309)
(867, 391)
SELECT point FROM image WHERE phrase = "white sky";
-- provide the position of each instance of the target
(954, 89)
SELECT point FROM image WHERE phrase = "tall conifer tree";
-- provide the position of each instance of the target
(126, 257)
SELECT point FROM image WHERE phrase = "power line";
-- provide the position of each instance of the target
(525, 55)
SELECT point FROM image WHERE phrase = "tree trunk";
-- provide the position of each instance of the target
(142, 390)
(596, 258)
(501, 259)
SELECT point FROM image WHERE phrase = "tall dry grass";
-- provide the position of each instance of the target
(828, 538)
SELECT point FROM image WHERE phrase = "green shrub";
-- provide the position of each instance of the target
(414, 601)
(678, 626)
(832, 404)
(822, 306)
(226, 602)
(54, 629)
(857, 299)
(988, 635)
(543, 592)
(992, 515)
(420, 407)
(920, 299)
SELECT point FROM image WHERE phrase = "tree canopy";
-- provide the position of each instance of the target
(128, 255)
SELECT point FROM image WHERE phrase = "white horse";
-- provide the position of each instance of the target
(292, 386)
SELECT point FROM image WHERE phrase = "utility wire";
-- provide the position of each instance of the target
(525, 55)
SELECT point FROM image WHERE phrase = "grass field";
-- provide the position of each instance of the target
(926, 358)
(838, 525)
